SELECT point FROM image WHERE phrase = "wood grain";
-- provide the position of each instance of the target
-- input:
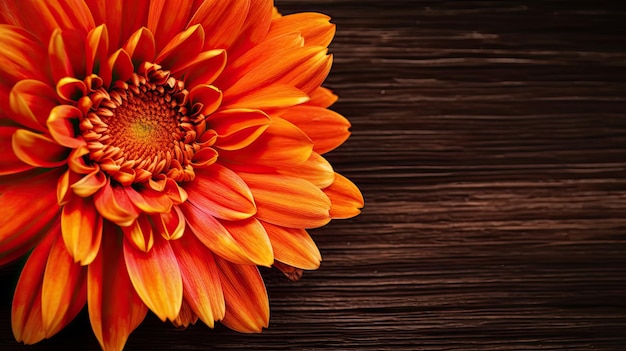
(489, 140)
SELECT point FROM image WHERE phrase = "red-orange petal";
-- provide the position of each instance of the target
(113, 204)
(326, 128)
(26, 317)
(63, 289)
(71, 90)
(96, 48)
(119, 66)
(310, 74)
(215, 236)
(254, 28)
(82, 229)
(247, 306)
(42, 18)
(186, 316)
(38, 150)
(316, 170)
(22, 55)
(62, 122)
(31, 209)
(184, 45)
(293, 246)
(140, 233)
(203, 69)
(9, 162)
(209, 96)
(149, 200)
(156, 277)
(238, 128)
(253, 239)
(115, 309)
(220, 192)
(288, 201)
(90, 183)
(283, 145)
(58, 57)
(140, 46)
(346, 199)
(223, 19)
(31, 101)
(170, 225)
(322, 97)
(201, 282)
(270, 97)
(261, 64)
(314, 27)
(167, 18)
(123, 19)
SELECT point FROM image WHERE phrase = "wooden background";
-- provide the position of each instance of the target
(489, 140)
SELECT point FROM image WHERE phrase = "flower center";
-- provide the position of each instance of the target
(141, 129)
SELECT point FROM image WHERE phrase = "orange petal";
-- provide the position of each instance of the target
(62, 122)
(29, 212)
(96, 48)
(273, 96)
(58, 57)
(170, 225)
(148, 200)
(220, 192)
(156, 277)
(247, 306)
(223, 19)
(203, 69)
(253, 239)
(314, 27)
(215, 236)
(115, 309)
(316, 170)
(63, 290)
(82, 229)
(42, 18)
(140, 46)
(71, 90)
(209, 96)
(282, 145)
(90, 183)
(201, 282)
(254, 28)
(118, 67)
(288, 201)
(237, 129)
(345, 197)
(262, 64)
(140, 234)
(22, 57)
(186, 316)
(322, 97)
(326, 128)
(123, 19)
(38, 150)
(113, 204)
(293, 246)
(31, 101)
(184, 45)
(167, 18)
(9, 162)
(26, 318)
(310, 74)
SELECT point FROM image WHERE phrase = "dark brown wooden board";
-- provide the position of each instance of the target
(489, 140)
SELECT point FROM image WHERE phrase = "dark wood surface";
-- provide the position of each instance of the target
(489, 140)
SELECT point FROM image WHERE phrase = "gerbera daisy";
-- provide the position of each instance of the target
(154, 153)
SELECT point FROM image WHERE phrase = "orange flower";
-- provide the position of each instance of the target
(154, 153)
